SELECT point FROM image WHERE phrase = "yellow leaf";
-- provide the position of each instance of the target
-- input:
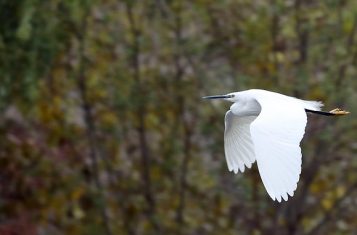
(78, 213)
(327, 203)
(340, 191)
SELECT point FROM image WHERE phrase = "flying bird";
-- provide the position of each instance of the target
(267, 127)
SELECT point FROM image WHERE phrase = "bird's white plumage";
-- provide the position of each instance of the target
(276, 137)
(238, 145)
(270, 134)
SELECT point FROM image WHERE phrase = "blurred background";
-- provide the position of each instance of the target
(103, 129)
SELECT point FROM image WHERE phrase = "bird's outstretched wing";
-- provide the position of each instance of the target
(238, 145)
(276, 134)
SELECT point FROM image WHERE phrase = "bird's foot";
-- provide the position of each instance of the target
(338, 111)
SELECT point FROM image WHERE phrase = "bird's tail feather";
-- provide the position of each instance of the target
(313, 105)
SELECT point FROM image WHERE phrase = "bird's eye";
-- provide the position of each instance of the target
(231, 96)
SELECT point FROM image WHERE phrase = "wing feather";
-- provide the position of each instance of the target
(276, 134)
(238, 144)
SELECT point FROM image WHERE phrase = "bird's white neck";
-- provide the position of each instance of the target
(246, 108)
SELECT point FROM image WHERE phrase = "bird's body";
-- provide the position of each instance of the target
(267, 127)
(246, 104)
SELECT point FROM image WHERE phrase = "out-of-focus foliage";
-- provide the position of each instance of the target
(103, 130)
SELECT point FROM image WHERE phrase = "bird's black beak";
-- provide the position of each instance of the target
(217, 97)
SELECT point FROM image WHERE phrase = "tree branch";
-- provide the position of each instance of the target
(141, 115)
(90, 126)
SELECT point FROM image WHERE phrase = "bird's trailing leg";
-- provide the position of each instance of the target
(333, 112)
(338, 111)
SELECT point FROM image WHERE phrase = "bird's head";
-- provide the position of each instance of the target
(232, 97)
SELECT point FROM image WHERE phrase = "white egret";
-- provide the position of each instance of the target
(268, 127)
